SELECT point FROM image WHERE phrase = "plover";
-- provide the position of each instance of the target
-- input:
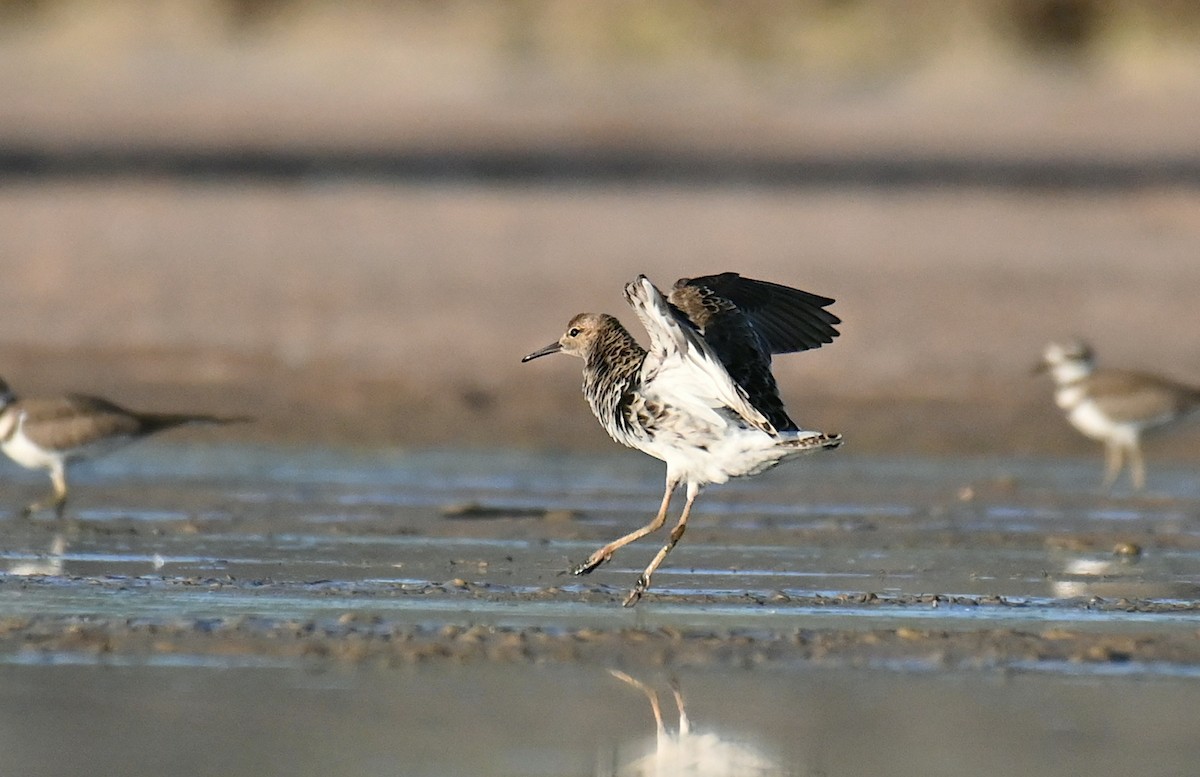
(53, 433)
(702, 398)
(1115, 406)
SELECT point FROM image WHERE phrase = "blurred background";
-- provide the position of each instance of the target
(351, 219)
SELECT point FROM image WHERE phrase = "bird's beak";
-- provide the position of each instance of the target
(1039, 368)
(554, 347)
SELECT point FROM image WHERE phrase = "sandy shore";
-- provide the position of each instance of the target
(359, 641)
(394, 314)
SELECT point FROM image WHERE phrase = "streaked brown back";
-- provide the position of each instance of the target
(745, 321)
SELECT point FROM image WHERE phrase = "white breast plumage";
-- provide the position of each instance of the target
(24, 451)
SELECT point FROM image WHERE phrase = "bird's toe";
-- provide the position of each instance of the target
(639, 588)
(589, 565)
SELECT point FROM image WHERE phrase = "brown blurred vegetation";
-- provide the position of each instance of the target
(842, 35)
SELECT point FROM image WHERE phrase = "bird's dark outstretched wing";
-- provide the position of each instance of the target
(786, 319)
(746, 321)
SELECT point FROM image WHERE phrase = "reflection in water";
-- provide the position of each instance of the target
(684, 751)
(50, 563)
(1117, 578)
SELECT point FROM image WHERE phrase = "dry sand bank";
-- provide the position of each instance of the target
(395, 314)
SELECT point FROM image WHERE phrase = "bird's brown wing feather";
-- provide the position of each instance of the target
(75, 421)
(745, 321)
(1124, 395)
(786, 319)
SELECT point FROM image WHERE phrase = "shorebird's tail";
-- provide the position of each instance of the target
(802, 442)
(157, 422)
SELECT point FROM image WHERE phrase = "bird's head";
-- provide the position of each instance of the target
(1067, 361)
(583, 331)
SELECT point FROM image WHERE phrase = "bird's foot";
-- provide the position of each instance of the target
(594, 560)
(639, 588)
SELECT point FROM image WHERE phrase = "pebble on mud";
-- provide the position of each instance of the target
(1127, 550)
(478, 510)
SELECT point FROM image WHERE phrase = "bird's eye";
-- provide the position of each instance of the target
(573, 332)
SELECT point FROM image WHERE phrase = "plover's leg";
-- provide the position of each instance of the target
(58, 501)
(58, 476)
(1114, 459)
(643, 582)
(605, 553)
(1137, 466)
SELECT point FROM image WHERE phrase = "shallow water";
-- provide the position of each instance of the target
(300, 529)
(562, 720)
(214, 558)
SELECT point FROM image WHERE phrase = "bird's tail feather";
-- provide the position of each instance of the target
(809, 441)
(154, 422)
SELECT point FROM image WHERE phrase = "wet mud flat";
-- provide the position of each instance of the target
(849, 594)
(394, 558)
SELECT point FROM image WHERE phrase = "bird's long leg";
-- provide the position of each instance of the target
(1114, 459)
(643, 582)
(655, 706)
(605, 553)
(685, 725)
(1137, 466)
(58, 501)
(58, 476)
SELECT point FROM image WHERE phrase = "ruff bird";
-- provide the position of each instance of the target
(702, 397)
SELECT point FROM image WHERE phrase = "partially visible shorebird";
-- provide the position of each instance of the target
(702, 398)
(1115, 406)
(53, 433)
(50, 563)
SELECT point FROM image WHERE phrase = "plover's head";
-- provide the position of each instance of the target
(582, 333)
(1067, 361)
